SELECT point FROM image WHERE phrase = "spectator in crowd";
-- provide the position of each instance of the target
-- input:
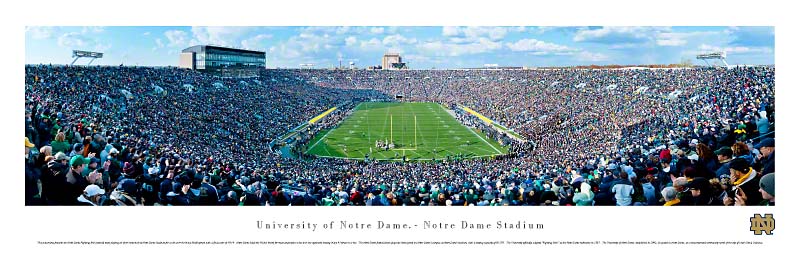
(670, 196)
(32, 193)
(60, 144)
(76, 183)
(744, 181)
(767, 157)
(681, 186)
(741, 150)
(623, 190)
(724, 156)
(700, 190)
(767, 189)
(92, 196)
(54, 181)
(125, 193)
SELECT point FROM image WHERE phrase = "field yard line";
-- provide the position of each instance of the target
(476, 134)
(320, 139)
(415, 152)
(326, 150)
(451, 152)
(484, 140)
(484, 150)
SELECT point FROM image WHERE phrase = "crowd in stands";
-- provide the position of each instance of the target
(169, 136)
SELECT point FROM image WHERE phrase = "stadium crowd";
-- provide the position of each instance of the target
(168, 136)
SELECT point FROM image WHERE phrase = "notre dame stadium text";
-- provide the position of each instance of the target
(475, 225)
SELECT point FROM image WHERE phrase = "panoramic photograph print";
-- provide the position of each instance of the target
(399, 116)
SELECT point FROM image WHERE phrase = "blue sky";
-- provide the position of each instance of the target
(420, 47)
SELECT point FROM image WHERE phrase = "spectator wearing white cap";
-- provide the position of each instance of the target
(92, 196)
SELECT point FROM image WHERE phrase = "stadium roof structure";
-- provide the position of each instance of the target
(713, 56)
(199, 48)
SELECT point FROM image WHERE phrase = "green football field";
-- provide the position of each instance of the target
(419, 131)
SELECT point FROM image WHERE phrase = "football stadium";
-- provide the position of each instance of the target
(224, 129)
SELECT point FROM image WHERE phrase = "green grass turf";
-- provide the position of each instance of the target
(436, 135)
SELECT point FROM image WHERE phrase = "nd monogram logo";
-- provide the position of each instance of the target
(762, 224)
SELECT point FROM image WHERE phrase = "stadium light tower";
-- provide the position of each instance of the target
(78, 54)
(713, 56)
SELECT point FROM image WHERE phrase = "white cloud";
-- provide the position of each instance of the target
(625, 46)
(537, 46)
(432, 46)
(342, 30)
(618, 35)
(397, 39)
(494, 33)
(451, 31)
(473, 34)
(350, 41)
(254, 42)
(460, 40)
(334, 30)
(177, 38)
(284, 52)
(542, 30)
(312, 45)
(159, 44)
(672, 39)
(78, 41)
(309, 42)
(224, 36)
(592, 57)
(41, 32)
(93, 29)
(376, 30)
(438, 48)
(147, 33)
(73, 40)
(372, 44)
